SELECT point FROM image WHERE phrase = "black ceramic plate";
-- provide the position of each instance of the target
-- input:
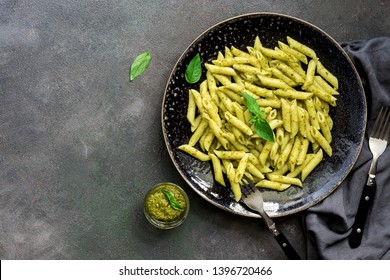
(349, 116)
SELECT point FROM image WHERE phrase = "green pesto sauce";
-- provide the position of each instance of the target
(159, 207)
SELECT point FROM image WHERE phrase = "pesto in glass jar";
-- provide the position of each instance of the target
(166, 205)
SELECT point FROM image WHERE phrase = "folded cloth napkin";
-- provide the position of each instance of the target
(328, 224)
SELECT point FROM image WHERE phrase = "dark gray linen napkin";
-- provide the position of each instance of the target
(328, 224)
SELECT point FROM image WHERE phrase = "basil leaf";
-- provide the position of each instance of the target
(139, 65)
(175, 205)
(252, 105)
(194, 70)
(263, 129)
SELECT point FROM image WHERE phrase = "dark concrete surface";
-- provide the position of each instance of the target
(80, 145)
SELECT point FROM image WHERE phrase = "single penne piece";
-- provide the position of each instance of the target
(323, 95)
(302, 48)
(294, 118)
(284, 179)
(312, 113)
(272, 82)
(228, 53)
(214, 69)
(248, 69)
(309, 167)
(279, 135)
(231, 94)
(286, 114)
(273, 114)
(230, 172)
(265, 152)
(280, 75)
(289, 72)
(227, 62)
(239, 111)
(194, 152)
(303, 151)
(265, 102)
(212, 85)
(274, 150)
(284, 154)
(277, 54)
(298, 169)
(191, 108)
(324, 127)
(262, 92)
(302, 122)
(238, 124)
(321, 141)
(198, 133)
(225, 101)
(320, 82)
(296, 66)
(196, 123)
(208, 140)
(311, 69)
(240, 170)
(217, 169)
(230, 155)
(329, 77)
(272, 185)
(212, 110)
(198, 100)
(237, 88)
(275, 123)
(293, 94)
(252, 169)
(220, 56)
(203, 89)
(287, 49)
(293, 158)
(202, 138)
(222, 79)
(237, 52)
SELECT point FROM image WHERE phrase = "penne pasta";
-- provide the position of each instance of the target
(293, 100)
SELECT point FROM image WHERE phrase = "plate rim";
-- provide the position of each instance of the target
(250, 213)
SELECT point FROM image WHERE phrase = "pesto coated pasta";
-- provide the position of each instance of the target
(294, 91)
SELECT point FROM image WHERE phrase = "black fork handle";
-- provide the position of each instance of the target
(368, 193)
(283, 242)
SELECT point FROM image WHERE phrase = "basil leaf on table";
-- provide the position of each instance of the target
(194, 70)
(139, 65)
(175, 205)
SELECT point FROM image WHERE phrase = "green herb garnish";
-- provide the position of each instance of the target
(175, 205)
(139, 65)
(261, 126)
(194, 70)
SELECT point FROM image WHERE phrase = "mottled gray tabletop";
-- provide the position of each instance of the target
(80, 145)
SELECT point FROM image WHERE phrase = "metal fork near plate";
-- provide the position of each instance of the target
(253, 198)
(377, 143)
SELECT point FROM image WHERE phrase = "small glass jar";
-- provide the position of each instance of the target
(159, 210)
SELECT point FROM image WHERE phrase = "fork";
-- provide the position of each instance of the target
(377, 144)
(253, 198)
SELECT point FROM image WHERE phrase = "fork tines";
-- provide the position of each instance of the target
(247, 188)
(381, 129)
